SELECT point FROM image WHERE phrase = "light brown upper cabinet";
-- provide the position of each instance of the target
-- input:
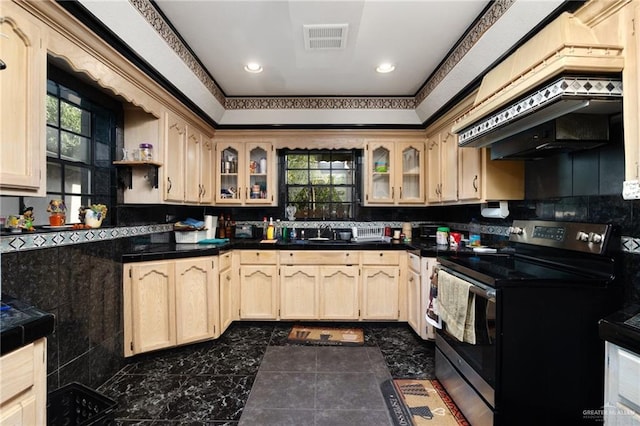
(442, 166)
(394, 172)
(22, 105)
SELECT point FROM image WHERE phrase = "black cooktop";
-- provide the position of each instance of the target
(504, 269)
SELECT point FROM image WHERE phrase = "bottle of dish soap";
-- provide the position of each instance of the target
(271, 230)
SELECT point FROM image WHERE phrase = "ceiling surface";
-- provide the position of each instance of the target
(415, 36)
(438, 47)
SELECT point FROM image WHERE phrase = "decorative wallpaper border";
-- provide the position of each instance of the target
(34, 241)
(321, 103)
(31, 241)
(151, 14)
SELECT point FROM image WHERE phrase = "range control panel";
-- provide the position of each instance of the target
(577, 236)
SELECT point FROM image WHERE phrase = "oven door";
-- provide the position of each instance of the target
(475, 362)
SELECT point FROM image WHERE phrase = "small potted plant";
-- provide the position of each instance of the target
(57, 212)
(93, 215)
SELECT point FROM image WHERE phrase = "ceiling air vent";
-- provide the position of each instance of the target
(325, 36)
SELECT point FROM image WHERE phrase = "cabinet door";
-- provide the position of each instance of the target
(192, 165)
(196, 300)
(176, 135)
(229, 182)
(22, 107)
(299, 292)
(259, 169)
(207, 169)
(228, 305)
(411, 179)
(434, 185)
(258, 292)
(469, 173)
(339, 292)
(151, 294)
(415, 300)
(449, 166)
(380, 292)
(379, 170)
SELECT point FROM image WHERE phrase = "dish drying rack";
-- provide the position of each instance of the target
(359, 234)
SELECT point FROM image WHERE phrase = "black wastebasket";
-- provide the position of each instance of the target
(77, 405)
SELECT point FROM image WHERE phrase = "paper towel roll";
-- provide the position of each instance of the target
(211, 223)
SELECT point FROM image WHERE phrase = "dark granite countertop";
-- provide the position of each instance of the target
(622, 328)
(21, 324)
(159, 251)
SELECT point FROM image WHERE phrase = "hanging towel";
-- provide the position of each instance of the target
(456, 306)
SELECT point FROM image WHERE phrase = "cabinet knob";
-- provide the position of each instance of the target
(381, 254)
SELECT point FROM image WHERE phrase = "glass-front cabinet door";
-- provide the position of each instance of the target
(246, 173)
(259, 171)
(379, 173)
(229, 185)
(411, 189)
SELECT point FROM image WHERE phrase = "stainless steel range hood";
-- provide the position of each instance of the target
(569, 114)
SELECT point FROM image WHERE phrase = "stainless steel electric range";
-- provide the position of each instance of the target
(536, 357)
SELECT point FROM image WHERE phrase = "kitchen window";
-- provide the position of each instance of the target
(81, 132)
(320, 184)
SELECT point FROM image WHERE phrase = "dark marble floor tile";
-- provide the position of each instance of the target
(277, 417)
(348, 391)
(293, 390)
(143, 397)
(352, 418)
(210, 398)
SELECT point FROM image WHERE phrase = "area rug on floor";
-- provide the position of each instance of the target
(326, 336)
(420, 402)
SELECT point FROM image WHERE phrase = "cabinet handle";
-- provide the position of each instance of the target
(170, 185)
(291, 254)
(392, 192)
(204, 190)
(246, 193)
(347, 254)
(475, 183)
(258, 254)
(400, 192)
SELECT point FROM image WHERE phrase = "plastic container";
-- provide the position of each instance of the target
(146, 152)
(190, 237)
(474, 234)
(442, 236)
(76, 404)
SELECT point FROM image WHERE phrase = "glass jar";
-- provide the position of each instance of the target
(146, 152)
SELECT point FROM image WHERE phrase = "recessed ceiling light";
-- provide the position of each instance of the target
(385, 68)
(253, 67)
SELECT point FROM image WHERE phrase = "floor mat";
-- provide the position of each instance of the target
(420, 403)
(326, 336)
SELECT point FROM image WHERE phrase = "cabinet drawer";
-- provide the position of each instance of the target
(414, 262)
(318, 257)
(224, 261)
(17, 372)
(260, 257)
(375, 257)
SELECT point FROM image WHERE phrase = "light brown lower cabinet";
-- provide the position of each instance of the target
(23, 388)
(229, 294)
(169, 303)
(258, 284)
(380, 285)
(319, 292)
(319, 285)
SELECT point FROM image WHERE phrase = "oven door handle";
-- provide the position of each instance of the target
(477, 287)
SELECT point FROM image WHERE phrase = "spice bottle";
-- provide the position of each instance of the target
(271, 230)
